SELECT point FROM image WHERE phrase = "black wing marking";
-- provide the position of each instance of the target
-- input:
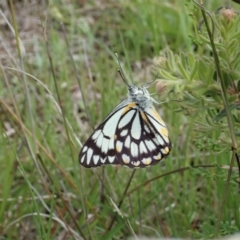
(99, 148)
(128, 136)
(139, 143)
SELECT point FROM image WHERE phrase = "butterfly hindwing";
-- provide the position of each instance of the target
(138, 142)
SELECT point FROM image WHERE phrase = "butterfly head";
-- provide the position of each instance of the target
(140, 95)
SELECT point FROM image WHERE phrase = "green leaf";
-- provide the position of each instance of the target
(222, 113)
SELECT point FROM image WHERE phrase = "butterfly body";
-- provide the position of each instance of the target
(133, 135)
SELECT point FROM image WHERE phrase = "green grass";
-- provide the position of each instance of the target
(44, 192)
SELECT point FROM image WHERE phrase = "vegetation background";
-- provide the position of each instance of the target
(59, 80)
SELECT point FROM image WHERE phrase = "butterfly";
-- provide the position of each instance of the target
(133, 134)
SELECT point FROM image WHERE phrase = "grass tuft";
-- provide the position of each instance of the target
(59, 80)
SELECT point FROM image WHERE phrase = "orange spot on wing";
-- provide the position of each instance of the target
(144, 117)
(128, 107)
(164, 132)
(166, 150)
(117, 149)
(136, 164)
(158, 157)
(157, 116)
(147, 161)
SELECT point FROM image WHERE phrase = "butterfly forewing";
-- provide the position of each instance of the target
(99, 149)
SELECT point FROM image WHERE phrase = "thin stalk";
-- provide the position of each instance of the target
(226, 106)
(120, 202)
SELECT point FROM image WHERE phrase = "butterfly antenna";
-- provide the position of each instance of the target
(121, 71)
(147, 85)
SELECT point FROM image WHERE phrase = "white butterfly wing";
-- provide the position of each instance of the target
(99, 149)
(129, 136)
